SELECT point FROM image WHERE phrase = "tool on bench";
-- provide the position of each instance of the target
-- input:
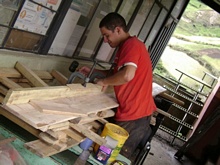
(90, 78)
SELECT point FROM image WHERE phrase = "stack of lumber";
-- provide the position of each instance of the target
(61, 116)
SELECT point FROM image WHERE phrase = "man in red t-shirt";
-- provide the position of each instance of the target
(132, 81)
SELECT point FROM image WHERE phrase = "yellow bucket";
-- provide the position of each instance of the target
(117, 133)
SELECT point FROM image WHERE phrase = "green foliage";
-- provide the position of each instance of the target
(161, 70)
(195, 5)
(199, 20)
(196, 22)
(212, 63)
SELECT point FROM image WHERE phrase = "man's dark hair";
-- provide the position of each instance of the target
(112, 20)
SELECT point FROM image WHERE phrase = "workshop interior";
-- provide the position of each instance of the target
(44, 42)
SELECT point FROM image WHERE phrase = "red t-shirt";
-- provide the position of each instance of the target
(135, 97)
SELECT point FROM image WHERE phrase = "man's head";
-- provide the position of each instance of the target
(113, 28)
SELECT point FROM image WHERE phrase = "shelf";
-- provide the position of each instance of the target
(185, 110)
(171, 132)
(181, 122)
(191, 88)
(190, 96)
(175, 82)
(182, 95)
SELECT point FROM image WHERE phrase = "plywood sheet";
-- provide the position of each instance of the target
(35, 118)
(19, 96)
(78, 105)
(83, 101)
(42, 149)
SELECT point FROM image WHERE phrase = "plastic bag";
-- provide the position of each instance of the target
(10, 156)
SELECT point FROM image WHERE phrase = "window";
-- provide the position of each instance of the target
(8, 9)
(28, 23)
(68, 37)
(92, 46)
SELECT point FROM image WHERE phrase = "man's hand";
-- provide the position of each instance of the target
(101, 82)
(85, 70)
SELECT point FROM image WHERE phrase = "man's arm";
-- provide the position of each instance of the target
(123, 76)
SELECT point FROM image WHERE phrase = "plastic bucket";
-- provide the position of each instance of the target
(117, 133)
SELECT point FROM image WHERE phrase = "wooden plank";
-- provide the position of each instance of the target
(59, 125)
(153, 120)
(171, 98)
(95, 125)
(103, 121)
(20, 122)
(98, 114)
(76, 120)
(60, 128)
(109, 113)
(25, 85)
(51, 107)
(59, 135)
(74, 134)
(44, 75)
(43, 150)
(3, 90)
(78, 105)
(163, 113)
(59, 77)
(88, 133)
(36, 119)
(55, 143)
(13, 73)
(24, 80)
(9, 72)
(19, 96)
(43, 121)
(9, 83)
(30, 75)
(1, 98)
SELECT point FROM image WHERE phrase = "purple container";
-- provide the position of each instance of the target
(103, 154)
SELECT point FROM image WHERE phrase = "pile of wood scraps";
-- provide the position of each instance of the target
(64, 115)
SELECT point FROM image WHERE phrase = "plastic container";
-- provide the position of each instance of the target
(86, 144)
(103, 154)
(117, 133)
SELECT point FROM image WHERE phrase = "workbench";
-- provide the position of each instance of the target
(46, 111)
(60, 115)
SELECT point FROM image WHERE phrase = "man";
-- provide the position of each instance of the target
(132, 80)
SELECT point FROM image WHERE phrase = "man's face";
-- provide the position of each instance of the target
(111, 37)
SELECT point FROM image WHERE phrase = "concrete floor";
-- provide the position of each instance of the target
(162, 152)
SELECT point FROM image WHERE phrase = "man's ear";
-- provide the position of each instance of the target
(118, 30)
